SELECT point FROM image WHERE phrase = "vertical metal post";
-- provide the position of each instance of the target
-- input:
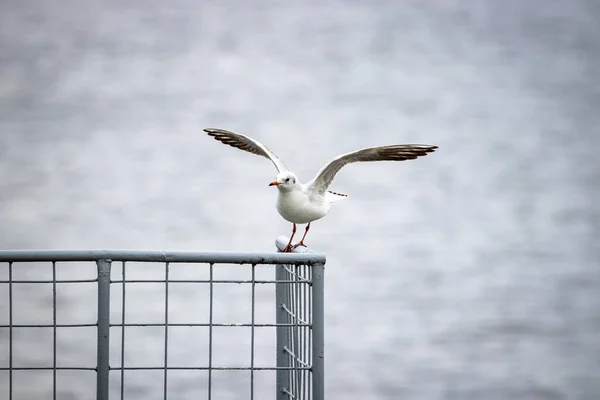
(53, 330)
(318, 326)
(252, 333)
(165, 391)
(283, 335)
(123, 311)
(10, 330)
(102, 372)
(210, 329)
(296, 345)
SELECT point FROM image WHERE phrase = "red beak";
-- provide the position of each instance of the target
(274, 183)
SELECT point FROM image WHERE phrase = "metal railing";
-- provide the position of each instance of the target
(297, 298)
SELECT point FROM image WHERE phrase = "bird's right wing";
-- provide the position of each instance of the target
(245, 143)
(384, 153)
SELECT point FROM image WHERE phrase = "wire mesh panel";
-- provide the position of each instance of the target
(164, 326)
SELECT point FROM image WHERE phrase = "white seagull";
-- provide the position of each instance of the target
(301, 203)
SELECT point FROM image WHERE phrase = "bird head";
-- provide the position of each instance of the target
(285, 181)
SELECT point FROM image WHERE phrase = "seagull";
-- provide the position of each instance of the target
(301, 203)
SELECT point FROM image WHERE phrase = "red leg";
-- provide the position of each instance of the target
(288, 248)
(301, 242)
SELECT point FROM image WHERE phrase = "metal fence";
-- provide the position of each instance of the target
(297, 304)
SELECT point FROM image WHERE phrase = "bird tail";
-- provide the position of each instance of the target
(333, 196)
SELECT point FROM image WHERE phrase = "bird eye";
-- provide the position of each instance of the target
(287, 179)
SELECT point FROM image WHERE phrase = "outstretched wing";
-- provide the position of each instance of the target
(243, 142)
(384, 153)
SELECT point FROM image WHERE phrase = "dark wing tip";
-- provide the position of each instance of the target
(405, 152)
(422, 147)
(220, 134)
(236, 140)
(215, 132)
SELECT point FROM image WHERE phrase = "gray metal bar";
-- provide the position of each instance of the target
(310, 357)
(318, 320)
(47, 369)
(155, 368)
(166, 330)
(298, 359)
(295, 300)
(181, 281)
(49, 281)
(103, 352)
(297, 317)
(305, 333)
(210, 332)
(288, 300)
(161, 256)
(49, 325)
(87, 325)
(122, 390)
(252, 333)
(53, 330)
(283, 336)
(10, 332)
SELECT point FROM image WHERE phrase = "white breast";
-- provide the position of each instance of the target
(297, 207)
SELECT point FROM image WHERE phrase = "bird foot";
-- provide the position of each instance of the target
(288, 248)
(300, 243)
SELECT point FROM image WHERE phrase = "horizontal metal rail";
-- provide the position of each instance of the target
(161, 256)
(174, 324)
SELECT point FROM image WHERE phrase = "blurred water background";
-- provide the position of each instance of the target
(471, 274)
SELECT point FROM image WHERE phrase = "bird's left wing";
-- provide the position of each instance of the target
(384, 153)
(245, 143)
